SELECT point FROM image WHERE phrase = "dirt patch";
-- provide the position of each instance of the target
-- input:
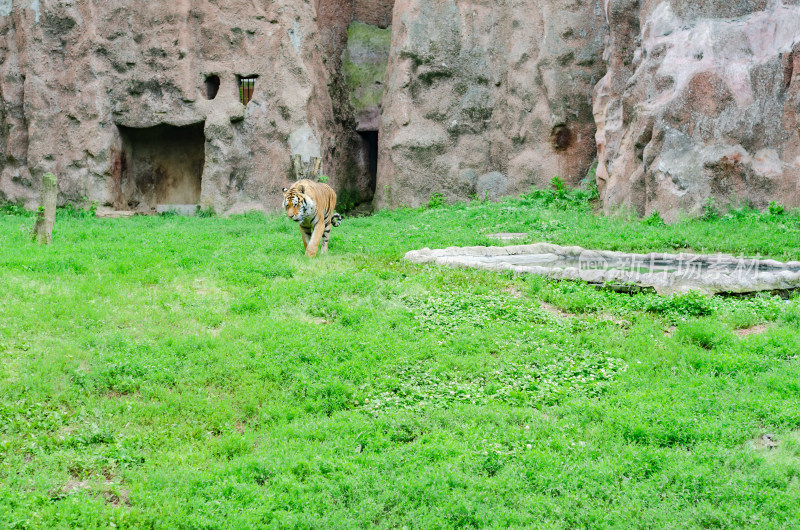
(508, 236)
(513, 291)
(75, 485)
(553, 310)
(605, 317)
(766, 441)
(72, 486)
(311, 319)
(118, 498)
(755, 330)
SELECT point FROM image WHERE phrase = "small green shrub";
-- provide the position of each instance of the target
(654, 219)
(206, 212)
(329, 397)
(13, 208)
(347, 200)
(492, 464)
(704, 333)
(792, 315)
(230, 446)
(776, 208)
(710, 210)
(436, 200)
(591, 190)
(691, 304)
(741, 212)
(70, 211)
(560, 197)
(558, 186)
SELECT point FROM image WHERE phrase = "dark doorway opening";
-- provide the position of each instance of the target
(161, 165)
(212, 86)
(370, 147)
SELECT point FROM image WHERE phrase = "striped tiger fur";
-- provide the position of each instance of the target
(311, 205)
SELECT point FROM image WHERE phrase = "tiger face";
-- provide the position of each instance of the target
(298, 206)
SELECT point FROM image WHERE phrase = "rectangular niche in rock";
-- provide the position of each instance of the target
(247, 85)
(161, 165)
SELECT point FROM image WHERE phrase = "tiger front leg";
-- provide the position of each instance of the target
(305, 233)
(313, 244)
(325, 236)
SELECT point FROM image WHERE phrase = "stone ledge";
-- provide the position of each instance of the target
(666, 273)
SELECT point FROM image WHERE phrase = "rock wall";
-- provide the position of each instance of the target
(374, 12)
(364, 66)
(701, 101)
(488, 97)
(73, 73)
(678, 101)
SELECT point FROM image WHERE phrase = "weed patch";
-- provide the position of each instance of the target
(417, 387)
(450, 312)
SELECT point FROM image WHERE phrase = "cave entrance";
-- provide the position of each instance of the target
(369, 146)
(161, 166)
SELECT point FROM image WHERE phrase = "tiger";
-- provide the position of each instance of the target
(311, 205)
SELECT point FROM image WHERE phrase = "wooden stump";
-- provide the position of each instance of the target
(46, 215)
(306, 170)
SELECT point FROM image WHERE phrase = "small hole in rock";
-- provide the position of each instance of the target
(561, 137)
(212, 86)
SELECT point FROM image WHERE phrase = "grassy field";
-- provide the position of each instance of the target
(173, 372)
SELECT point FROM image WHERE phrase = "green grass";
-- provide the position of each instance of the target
(202, 373)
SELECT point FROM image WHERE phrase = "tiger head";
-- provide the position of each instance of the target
(297, 204)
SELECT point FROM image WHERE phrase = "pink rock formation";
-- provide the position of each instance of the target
(374, 12)
(487, 97)
(82, 83)
(134, 104)
(699, 102)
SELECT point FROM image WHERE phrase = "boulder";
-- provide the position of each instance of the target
(700, 102)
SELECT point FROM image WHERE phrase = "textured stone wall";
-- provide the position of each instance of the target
(72, 72)
(701, 101)
(374, 12)
(679, 101)
(364, 65)
(488, 97)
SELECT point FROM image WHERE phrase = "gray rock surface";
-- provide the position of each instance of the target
(492, 186)
(667, 273)
(679, 101)
(701, 101)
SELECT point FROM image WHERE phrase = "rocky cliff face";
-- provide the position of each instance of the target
(488, 97)
(134, 104)
(700, 101)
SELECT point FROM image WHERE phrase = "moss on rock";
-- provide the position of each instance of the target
(364, 64)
